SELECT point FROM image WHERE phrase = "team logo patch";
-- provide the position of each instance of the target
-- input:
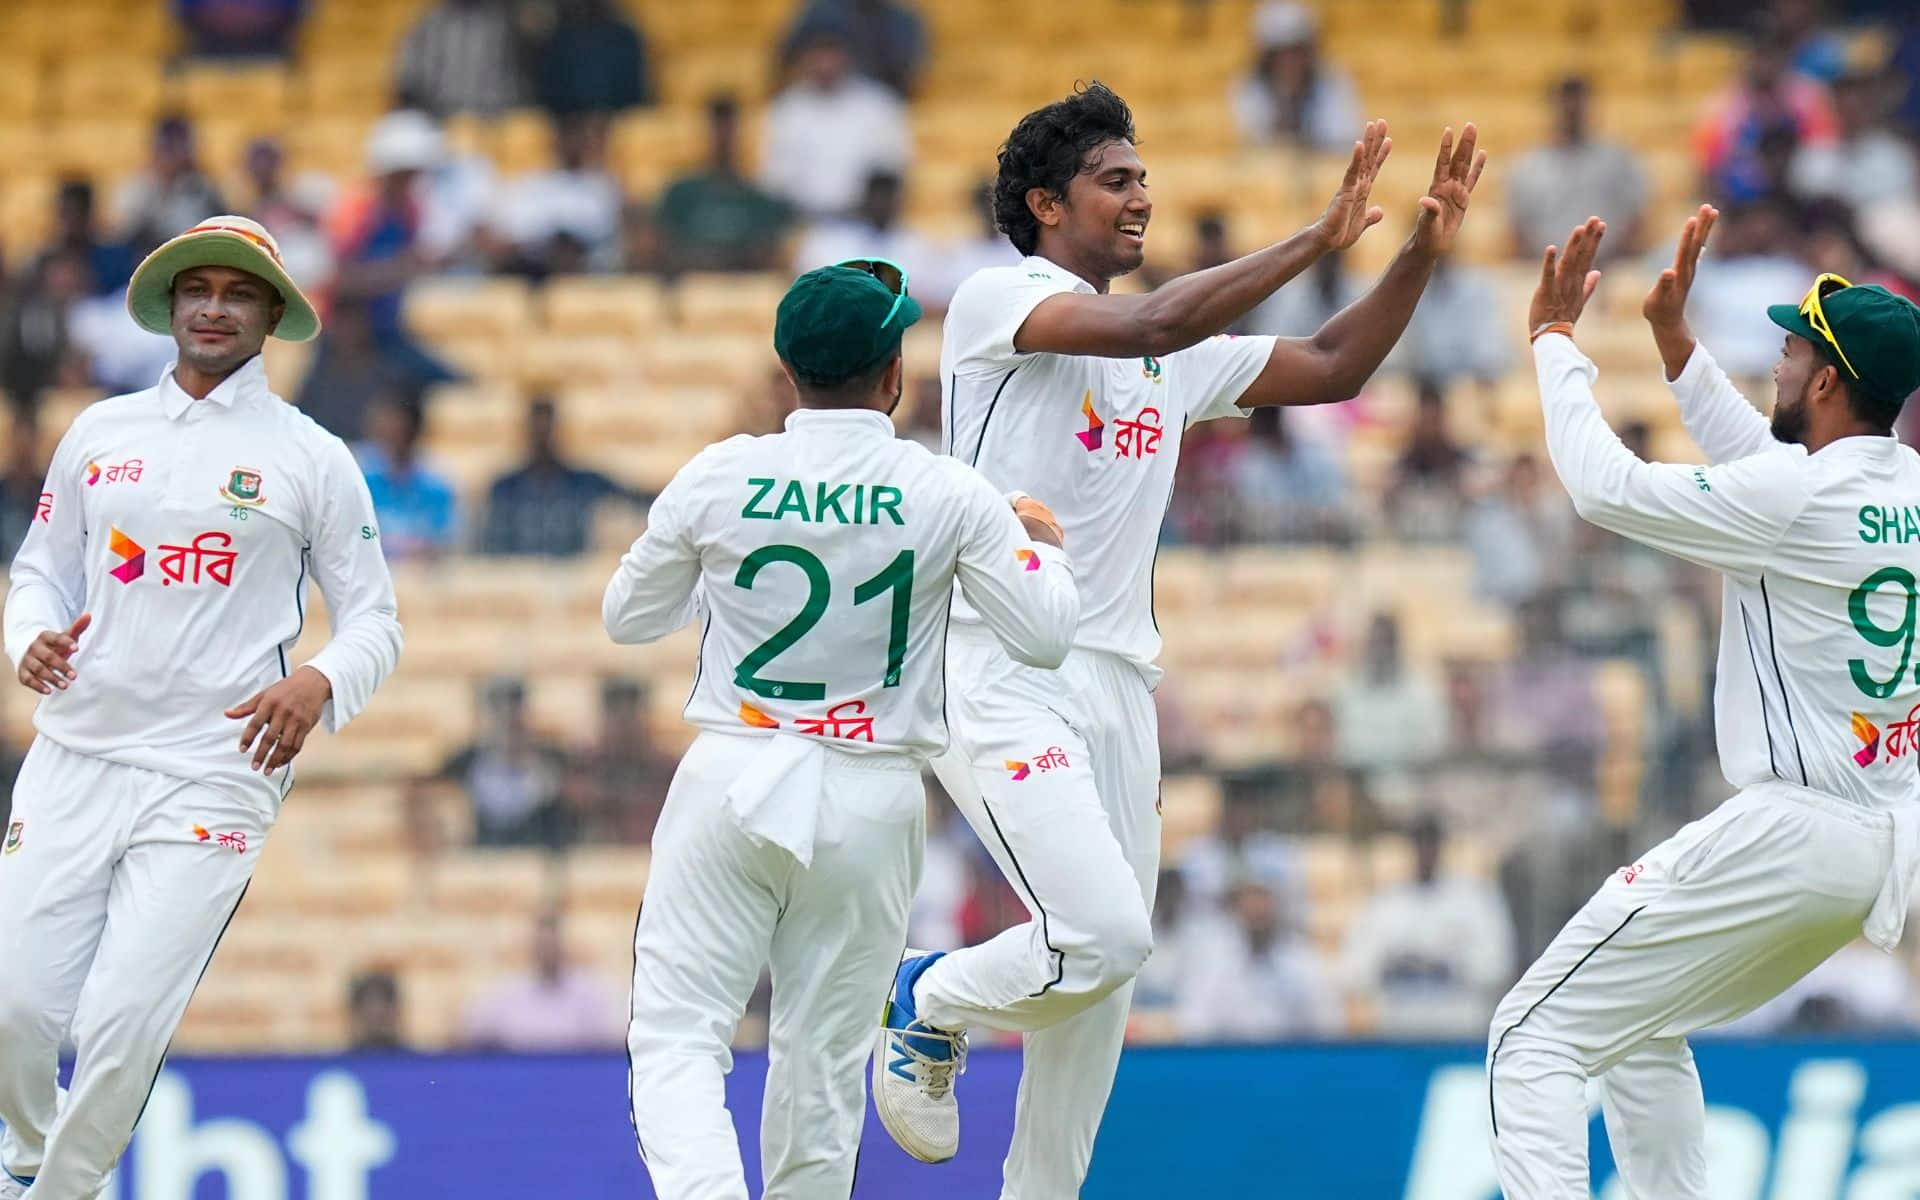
(1150, 367)
(242, 487)
(235, 841)
(16, 832)
(1869, 733)
(1028, 557)
(1096, 428)
(134, 553)
(128, 471)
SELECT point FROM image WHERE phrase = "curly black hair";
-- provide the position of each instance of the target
(1048, 148)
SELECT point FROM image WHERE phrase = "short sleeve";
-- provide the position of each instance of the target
(989, 308)
(1213, 375)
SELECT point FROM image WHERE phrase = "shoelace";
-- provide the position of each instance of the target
(938, 1073)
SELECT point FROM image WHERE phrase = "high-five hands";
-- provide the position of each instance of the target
(1665, 307)
(1349, 214)
(1455, 174)
(1567, 280)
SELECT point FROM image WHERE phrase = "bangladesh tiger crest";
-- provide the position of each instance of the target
(15, 832)
(242, 487)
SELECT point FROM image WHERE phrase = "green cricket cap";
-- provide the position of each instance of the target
(836, 322)
(1877, 331)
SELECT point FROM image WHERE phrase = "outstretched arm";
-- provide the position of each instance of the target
(1194, 307)
(1336, 362)
(1721, 421)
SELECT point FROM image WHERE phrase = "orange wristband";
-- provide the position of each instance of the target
(1565, 327)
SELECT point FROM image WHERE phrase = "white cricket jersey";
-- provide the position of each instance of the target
(822, 560)
(1818, 683)
(188, 528)
(1096, 438)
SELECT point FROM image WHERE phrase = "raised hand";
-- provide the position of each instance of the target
(1349, 214)
(1455, 173)
(1567, 280)
(1666, 304)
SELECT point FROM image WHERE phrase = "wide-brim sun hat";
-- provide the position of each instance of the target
(224, 241)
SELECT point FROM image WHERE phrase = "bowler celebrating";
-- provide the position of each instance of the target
(1810, 519)
(823, 560)
(160, 587)
(1053, 384)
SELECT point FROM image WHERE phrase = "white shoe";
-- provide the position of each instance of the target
(914, 1066)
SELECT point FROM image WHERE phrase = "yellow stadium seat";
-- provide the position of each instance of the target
(460, 306)
(121, 88)
(621, 305)
(98, 146)
(21, 86)
(710, 301)
(253, 95)
(345, 83)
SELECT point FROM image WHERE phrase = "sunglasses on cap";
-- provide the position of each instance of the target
(892, 274)
(1826, 285)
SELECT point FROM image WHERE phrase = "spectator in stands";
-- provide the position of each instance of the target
(872, 230)
(171, 194)
(37, 344)
(1242, 845)
(462, 56)
(593, 60)
(1284, 488)
(1544, 702)
(1426, 495)
(1756, 253)
(1573, 177)
(415, 504)
(830, 128)
(1253, 977)
(239, 28)
(617, 785)
(378, 235)
(578, 198)
(1293, 94)
(1157, 986)
(373, 1013)
(558, 1006)
(546, 506)
(1833, 243)
(1768, 95)
(888, 40)
(20, 487)
(1867, 163)
(1818, 52)
(1389, 714)
(1459, 329)
(512, 777)
(1520, 534)
(292, 217)
(349, 372)
(985, 247)
(76, 231)
(716, 219)
(1434, 953)
(1303, 306)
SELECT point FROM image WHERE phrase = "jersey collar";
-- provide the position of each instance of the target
(850, 420)
(1033, 262)
(247, 383)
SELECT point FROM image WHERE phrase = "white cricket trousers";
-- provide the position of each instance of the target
(720, 906)
(111, 904)
(1058, 772)
(1714, 922)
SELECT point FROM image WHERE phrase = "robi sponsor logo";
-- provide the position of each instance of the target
(208, 558)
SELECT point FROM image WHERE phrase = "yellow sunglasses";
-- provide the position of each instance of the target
(1826, 285)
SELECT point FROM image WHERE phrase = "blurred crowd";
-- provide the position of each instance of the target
(1812, 153)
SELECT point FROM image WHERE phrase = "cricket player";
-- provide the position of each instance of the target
(821, 562)
(1814, 521)
(1051, 383)
(153, 603)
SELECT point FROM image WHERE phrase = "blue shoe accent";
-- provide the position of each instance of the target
(23, 1181)
(901, 1015)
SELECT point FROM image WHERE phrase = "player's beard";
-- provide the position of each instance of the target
(1789, 421)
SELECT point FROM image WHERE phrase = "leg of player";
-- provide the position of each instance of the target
(1710, 924)
(1067, 1073)
(172, 897)
(833, 958)
(704, 932)
(55, 871)
(1657, 1120)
